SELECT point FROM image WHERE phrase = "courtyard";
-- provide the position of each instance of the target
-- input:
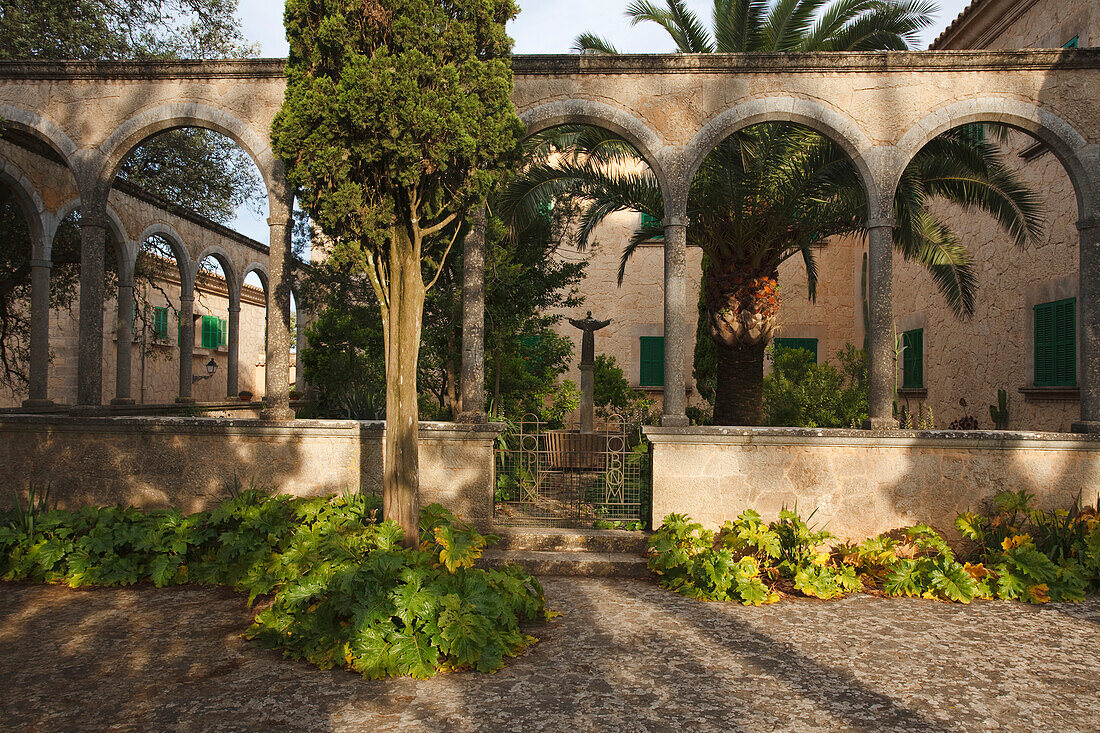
(625, 655)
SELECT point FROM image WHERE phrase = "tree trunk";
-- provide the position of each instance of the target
(739, 387)
(401, 474)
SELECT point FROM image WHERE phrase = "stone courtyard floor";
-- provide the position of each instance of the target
(626, 656)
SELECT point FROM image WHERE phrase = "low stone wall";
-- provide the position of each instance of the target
(862, 484)
(188, 462)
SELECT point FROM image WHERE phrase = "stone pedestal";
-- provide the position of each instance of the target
(588, 398)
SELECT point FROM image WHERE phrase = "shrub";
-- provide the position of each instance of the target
(802, 393)
(342, 590)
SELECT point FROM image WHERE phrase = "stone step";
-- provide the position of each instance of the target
(571, 540)
(570, 563)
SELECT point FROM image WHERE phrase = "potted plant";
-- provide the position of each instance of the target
(295, 395)
(245, 395)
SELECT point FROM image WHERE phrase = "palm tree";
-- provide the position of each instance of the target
(775, 190)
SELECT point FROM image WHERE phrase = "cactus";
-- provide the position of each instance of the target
(999, 412)
(866, 305)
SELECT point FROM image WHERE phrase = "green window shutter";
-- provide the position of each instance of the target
(211, 332)
(809, 345)
(652, 372)
(648, 220)
(912, 359)
(1056, 344)
(1073, 42)
(223, 332)
(160, 324)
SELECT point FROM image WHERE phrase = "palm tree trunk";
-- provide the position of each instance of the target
(739, 387)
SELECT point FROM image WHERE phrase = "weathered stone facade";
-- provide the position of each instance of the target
(880, 107)
(861, 485)
(190, 463)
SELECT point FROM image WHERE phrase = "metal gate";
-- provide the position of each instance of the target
(565, 478)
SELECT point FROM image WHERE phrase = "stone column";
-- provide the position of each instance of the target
(676, 322)
(38, 393)
(124, 343)
(89, 366)
(299, 344)
(880, 339)
(187, 344)
(473, 322)
(277, 373)
(1088, 315)
(232, 362)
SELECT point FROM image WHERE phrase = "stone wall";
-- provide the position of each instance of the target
(859, 484)
(188, 462)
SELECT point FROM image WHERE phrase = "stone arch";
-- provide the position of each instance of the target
(42, 128)
(175, 241)
(125, 254)
(1078, 159)
(261, 271)
(585, 112)
(223, 258)
(838, 127)
(159, 119)
(30, 203)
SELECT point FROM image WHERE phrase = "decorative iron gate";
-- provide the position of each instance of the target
(565, 478)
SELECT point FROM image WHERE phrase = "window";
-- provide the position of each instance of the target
(214, 332)
(652, 361)
(809, 345)
(160, 324)
(912, 359)
(1073, 42)
(1056, 344)
(648, 220)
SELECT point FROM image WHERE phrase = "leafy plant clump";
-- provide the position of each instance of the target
(1022, 554)
(339, 588)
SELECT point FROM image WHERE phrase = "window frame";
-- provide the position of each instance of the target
(1055, 343)
(912, 365)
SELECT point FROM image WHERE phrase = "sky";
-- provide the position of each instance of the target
(543, 26)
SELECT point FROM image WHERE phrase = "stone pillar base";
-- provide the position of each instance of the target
(90, 411)
(123, 401)
(880, 423)
(39, 404)
(184, 401)
(472, 418)
(675, 421)
(1089, 427)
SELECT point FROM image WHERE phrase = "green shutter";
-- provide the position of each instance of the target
(1073, 42)
(809, 345)
(652, 372)
(223, 329)
(648, 220)
(160, 324)
(211, 332)
(1056, 344)
(912, 359)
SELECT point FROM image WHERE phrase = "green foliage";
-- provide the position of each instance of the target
(345, 362)
(342, 590)
(1057, 559)
(740, 561)
(1036, 555)
(802, 393)
(614, 396)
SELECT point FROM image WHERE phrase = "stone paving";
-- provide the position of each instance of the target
(626, 656)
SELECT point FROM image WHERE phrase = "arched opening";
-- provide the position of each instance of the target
(17, 251)
(162, 312)
(776, 212)
(589, 197)
(1016, 347)
(253, 344)
(215, 298)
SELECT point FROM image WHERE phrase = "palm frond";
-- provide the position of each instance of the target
(591, 43)
(934, 245)
(681, 24)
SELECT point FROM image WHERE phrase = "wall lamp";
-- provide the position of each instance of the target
(211, 367)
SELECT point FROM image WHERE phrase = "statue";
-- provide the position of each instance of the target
(588, 342)
(588, 367)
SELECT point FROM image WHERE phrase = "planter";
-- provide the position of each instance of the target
(245, 396)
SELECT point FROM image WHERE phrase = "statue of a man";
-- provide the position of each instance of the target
(588, 342)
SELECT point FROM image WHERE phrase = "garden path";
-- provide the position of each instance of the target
(626, 656)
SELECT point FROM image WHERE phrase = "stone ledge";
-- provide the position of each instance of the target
(565, 64)
(987, 439)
